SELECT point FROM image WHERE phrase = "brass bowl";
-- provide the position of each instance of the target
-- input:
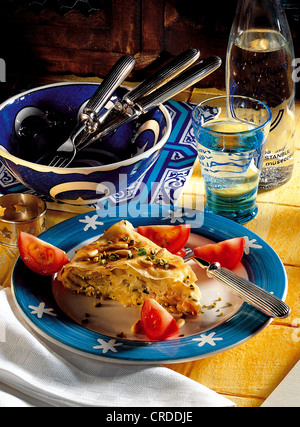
(20, 212)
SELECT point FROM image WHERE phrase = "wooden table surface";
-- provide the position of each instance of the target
(246, 374)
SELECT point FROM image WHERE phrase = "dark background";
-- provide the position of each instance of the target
(85, 37)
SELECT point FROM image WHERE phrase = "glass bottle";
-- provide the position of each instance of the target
(259, 64)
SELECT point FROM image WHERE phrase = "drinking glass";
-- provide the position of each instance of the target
(231, 132)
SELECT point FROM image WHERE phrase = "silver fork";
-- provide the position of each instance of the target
(67, 151)
(248, 291)
(88, 123)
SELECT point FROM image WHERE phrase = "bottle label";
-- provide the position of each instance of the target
(277, 159)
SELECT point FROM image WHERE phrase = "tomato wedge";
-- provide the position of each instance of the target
(156, 322)
(39, 256)
(228, 252)
(171, 237)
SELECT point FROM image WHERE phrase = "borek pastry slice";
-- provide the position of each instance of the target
(127, 267)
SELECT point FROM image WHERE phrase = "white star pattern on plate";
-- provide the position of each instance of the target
(250, 244)
(106, 346)
(207, 339)
(40, 310)
(91, 222)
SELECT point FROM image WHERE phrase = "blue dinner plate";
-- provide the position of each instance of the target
(34, 297)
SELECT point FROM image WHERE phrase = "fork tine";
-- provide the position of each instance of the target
(64, 163)
(58, 162)
(53, 161)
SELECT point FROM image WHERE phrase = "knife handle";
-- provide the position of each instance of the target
(112, 81)
(177, 65)
(249, 292)
(159, 95)
(184, 80)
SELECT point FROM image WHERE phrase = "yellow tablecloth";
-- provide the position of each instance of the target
(246, 374)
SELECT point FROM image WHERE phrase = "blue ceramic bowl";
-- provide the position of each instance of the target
(38, 120)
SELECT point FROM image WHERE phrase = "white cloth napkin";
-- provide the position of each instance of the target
(36, 372)
(287, 393)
